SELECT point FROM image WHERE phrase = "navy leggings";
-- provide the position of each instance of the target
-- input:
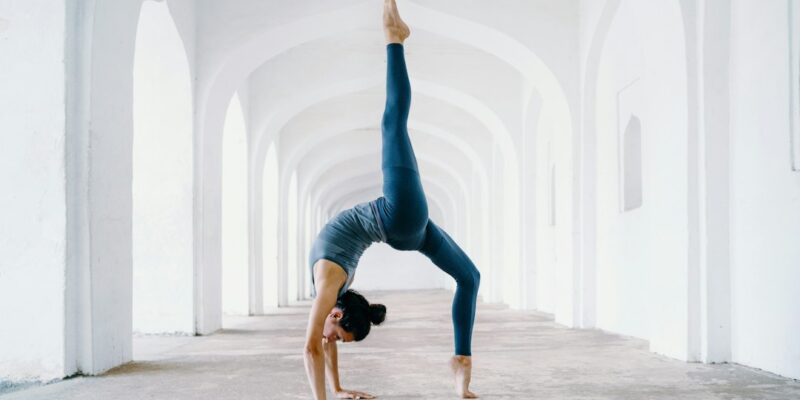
(404, 210)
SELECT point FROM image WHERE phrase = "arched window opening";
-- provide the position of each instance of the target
(794, 59)
(552, 201)
(235, 249)
(270, 228)
(308, 237)
(292, 231)
(162, 177)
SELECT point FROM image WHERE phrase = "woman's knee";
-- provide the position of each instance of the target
(471, 279)
(476, 277)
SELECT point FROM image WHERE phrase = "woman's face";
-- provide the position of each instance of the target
(332, 332)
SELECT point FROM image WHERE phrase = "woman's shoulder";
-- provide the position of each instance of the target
(326, 268)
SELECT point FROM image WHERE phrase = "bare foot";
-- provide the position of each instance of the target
(395, 30)
(462, 369)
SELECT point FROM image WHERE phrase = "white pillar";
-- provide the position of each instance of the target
(99, 175)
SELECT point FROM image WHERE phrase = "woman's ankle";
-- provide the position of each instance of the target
(461, 361)
(395, 30)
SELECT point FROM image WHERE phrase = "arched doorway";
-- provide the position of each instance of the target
(235, 247)
(270, 228)
(162, 177)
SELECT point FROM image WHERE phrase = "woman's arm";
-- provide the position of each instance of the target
(327, 282)
(332, 364)
(332, 370)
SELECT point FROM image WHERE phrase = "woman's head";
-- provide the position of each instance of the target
(352, 317)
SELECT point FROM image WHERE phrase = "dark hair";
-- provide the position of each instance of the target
(359, 314)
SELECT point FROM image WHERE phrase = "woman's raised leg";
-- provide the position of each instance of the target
(405, 210)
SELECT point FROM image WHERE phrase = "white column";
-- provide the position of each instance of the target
(99, 178)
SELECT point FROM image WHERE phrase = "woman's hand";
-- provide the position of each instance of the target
(352, 394)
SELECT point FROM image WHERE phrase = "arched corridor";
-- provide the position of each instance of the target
(625, 176)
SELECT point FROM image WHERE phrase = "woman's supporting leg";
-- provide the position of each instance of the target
(448, 256)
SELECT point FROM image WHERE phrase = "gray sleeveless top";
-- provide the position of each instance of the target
(345, 238)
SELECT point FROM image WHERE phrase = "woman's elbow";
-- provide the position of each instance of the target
(312, 350)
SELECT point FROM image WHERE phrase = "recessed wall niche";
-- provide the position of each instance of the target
(552, 216)
(794, 71)
(630, 146)
(631, 168)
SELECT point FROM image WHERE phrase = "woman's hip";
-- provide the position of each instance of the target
(403, 221)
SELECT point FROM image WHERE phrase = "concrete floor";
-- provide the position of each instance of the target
(517, 355)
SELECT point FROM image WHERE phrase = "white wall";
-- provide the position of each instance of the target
(645, 282)
(641, 254)
(622, 246)
(765, 193)
(32, 203)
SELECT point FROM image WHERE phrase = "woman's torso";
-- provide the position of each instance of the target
(345, 238)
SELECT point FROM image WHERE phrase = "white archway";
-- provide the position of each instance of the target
(235, 249)
(241, 61)
(292, 240)
(270, 229)
(504, 194)
(162, 177)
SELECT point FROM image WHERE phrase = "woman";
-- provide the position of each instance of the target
(399, 218)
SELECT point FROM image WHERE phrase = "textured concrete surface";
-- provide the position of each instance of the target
(517, 355)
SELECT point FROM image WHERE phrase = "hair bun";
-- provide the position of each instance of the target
(377, 313)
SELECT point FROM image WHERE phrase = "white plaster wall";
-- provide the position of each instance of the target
(623, 241)
(184, 16)
(530, 211)
(561, 155)
(642, 254)
(664, 175)
(545, 229)
(549, 28)
(595, 18)
(765, 193)
(32, 204)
